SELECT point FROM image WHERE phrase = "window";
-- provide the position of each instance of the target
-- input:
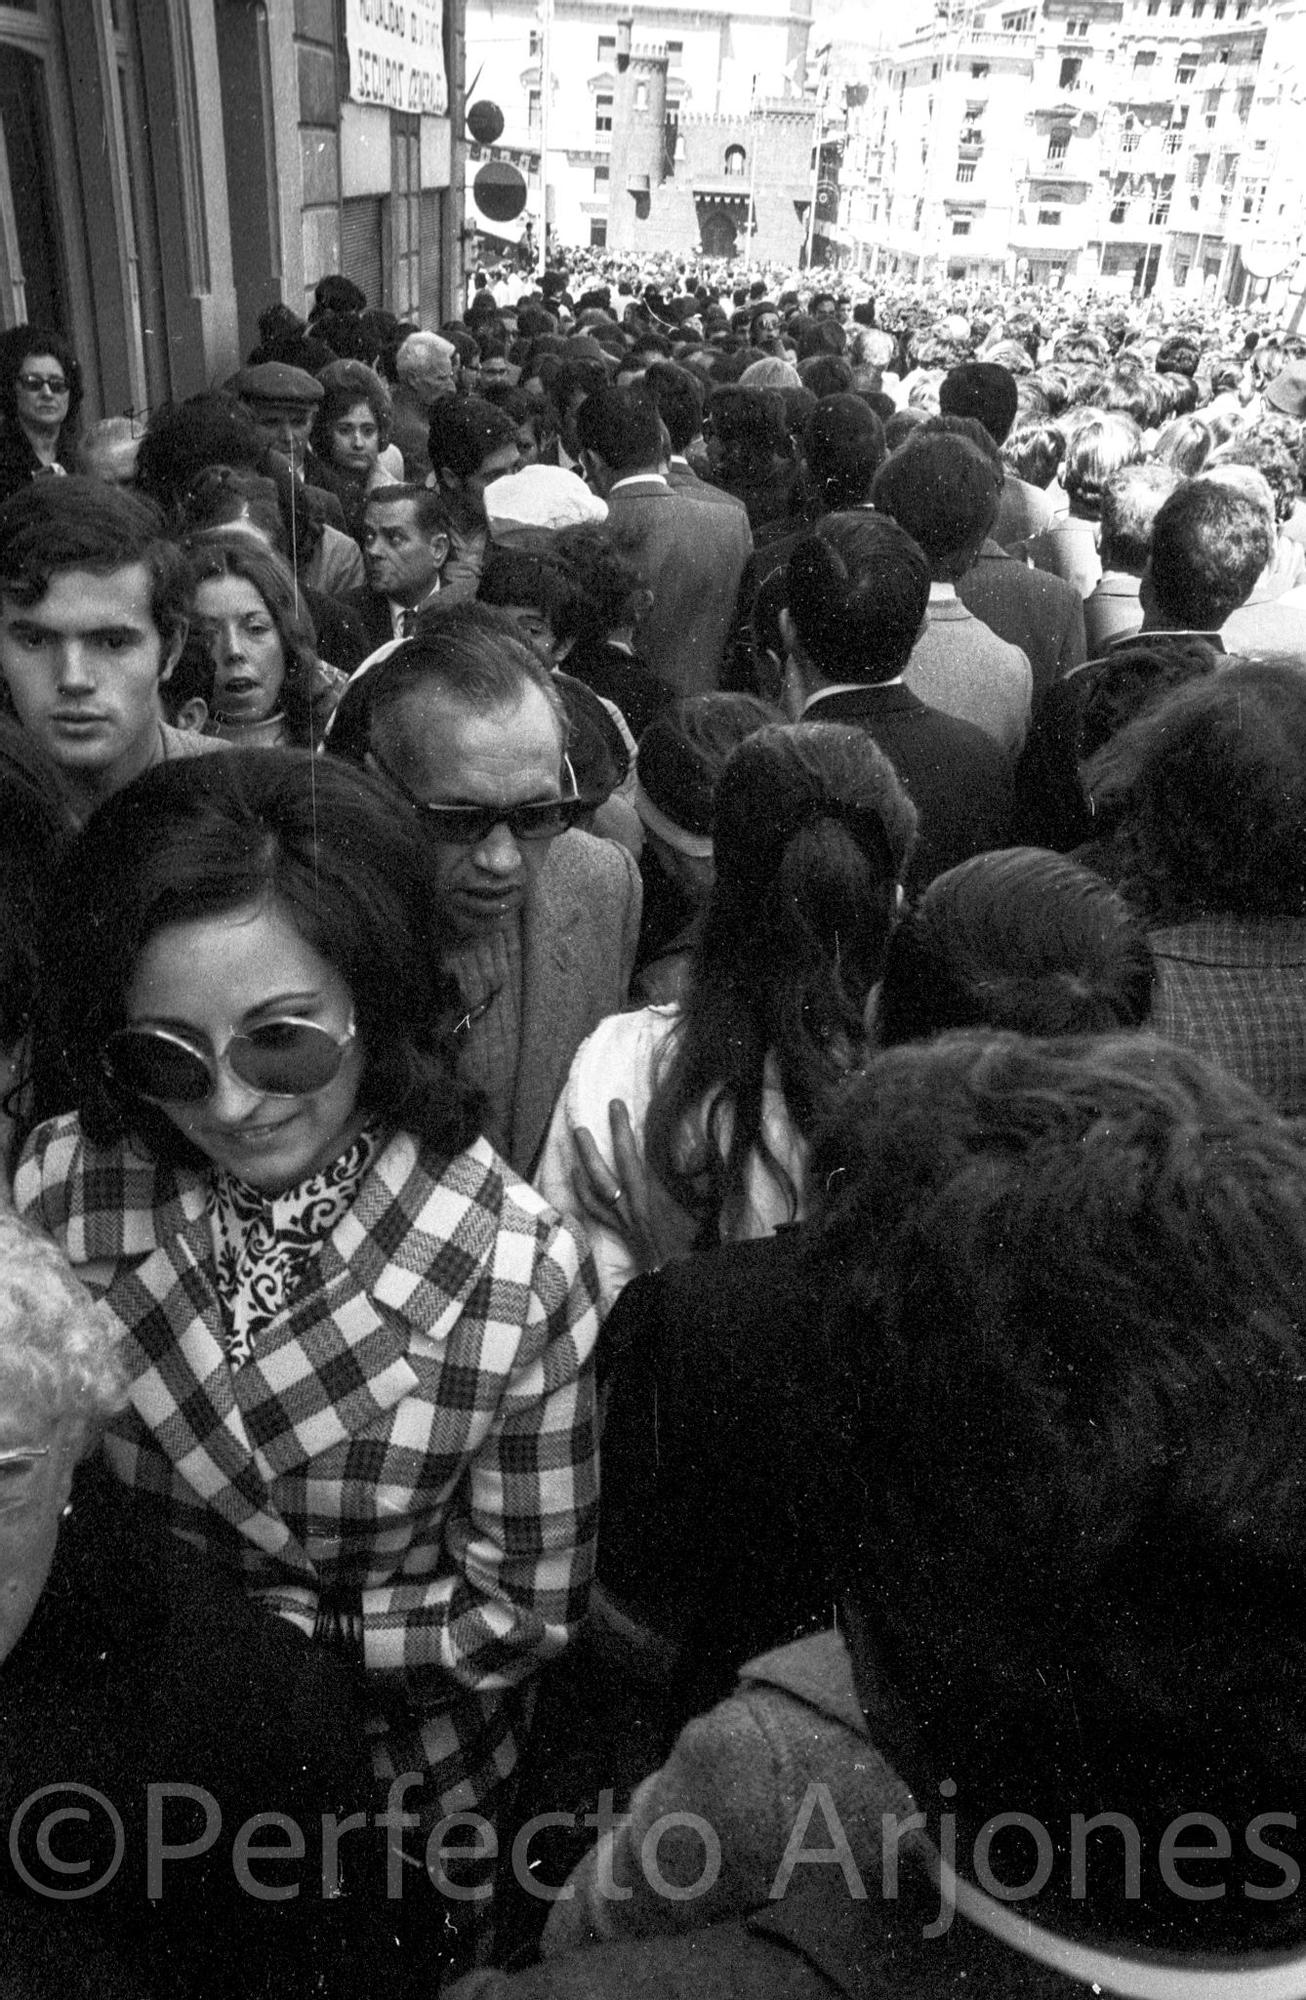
(533, 109)
(1153, 6)
(1144, 58)
(1175, 5)
(1049, 218)
(600, 180)
(1070, 69)
(1245, 96)
(675, 50)
(1058, 142)
(1241, 9)
(1172, 142)
(1199, 8)
(598, 233)
(1197, 169)
(920, 210)
(641, 95)
(961, 225)
(603, 114)
(1160, 209)
(1118, 211)
(607, 48)
(979, 69)
(1185, 69)
(1220, 6)
(535, 42)
(965, 170)
(735, 162)
(1129, 142)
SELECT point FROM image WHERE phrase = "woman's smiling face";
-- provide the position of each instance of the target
(227, 975)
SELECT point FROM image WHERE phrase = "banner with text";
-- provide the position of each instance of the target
(396, 54)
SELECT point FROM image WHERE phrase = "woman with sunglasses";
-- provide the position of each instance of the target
(360, 1347)
(40, 395)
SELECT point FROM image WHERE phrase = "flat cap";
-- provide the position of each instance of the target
(276, 382)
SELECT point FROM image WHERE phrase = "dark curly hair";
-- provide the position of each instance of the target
(194, 839)
(1206, 794)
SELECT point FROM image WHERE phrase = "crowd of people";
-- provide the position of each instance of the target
(701, 880)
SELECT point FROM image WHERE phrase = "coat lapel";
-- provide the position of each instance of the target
(552, 1002)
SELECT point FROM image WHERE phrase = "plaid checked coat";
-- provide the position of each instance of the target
(417, 1425)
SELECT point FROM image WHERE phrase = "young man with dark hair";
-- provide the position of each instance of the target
(470, 444)
(93, 613)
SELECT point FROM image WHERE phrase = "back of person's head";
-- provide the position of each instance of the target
(608, 593)
(1098, 446)
(826, 375)
(748, 425)
(463, 431)
(944, 492)
(521, 577)
(1205, 793)
(1034, 452)
(679, 762)
(1262, 452)
(197, 838)
(857, 590)
(983, 389)
(1071, 1291)
(812, 833)
(1131, 500)
(1179, 354)
(53, 525)
(622, 427)
(184, 438)
(1210, 543)
(677, 397)
(337, 294)
(468, 654)
(843, 445)
(1184, 443)
(1021, 939)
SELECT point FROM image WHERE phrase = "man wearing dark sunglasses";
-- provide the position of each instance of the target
(466, 727)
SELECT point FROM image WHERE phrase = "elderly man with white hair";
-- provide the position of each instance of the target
(148, 1711)
(427, 367)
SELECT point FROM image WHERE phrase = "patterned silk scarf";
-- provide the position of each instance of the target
(264, 1244)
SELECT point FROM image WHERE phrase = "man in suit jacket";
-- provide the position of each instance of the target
(405, 548)
(541, 922)
(852, 670)
(690, 551)
(987, 391)
(678, 397)
(1041, 614)
(944, 491)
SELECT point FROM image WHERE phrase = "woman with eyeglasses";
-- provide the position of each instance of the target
(40, 395)
(360, 1348)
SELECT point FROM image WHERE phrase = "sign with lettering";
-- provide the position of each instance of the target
(396, 54)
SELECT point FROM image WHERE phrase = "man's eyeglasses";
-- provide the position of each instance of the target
(468, 826)
(279, 1058)
(35, 383)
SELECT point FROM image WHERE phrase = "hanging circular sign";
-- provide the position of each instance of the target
(485, 122)
(499, 191)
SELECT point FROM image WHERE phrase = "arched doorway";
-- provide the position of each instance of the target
(717, 233)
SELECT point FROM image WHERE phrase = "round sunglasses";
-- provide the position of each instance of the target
(287, 1058)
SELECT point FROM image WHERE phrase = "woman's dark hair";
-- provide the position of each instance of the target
(20, 343)
(203, 836)
(346, 383)
(519, 576)
(749, 428)
(185, 438)
(33, 827)
(216, 555)
(1022, 939)
(811, 836)
(1206, 794)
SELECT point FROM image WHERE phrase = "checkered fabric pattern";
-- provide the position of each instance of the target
(417, 1425)
(1234, 990)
